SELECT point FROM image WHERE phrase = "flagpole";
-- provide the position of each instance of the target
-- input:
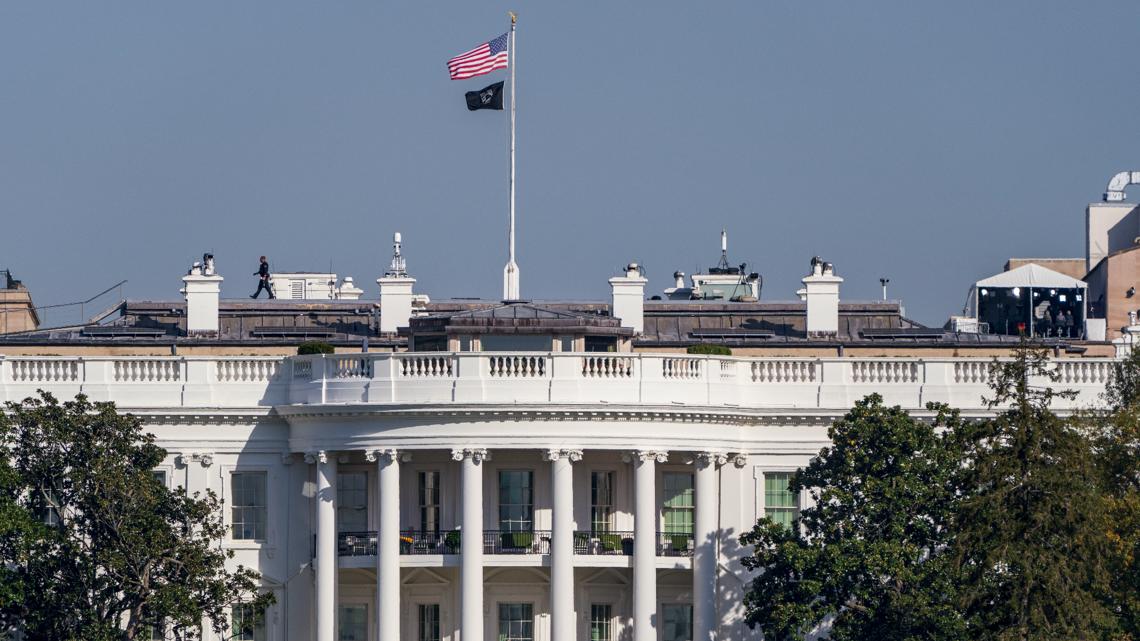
(511, 271)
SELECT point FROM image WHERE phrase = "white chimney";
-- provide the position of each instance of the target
(395, 292)
(821, 290)
(629, 298)
(348, 290)
(679, 280)
(202, 288)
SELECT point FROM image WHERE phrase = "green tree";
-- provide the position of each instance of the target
(1117, 433)
(94, 547)
(867, 560)
(1031, 544)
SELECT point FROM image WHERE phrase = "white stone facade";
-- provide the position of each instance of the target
(352, 437)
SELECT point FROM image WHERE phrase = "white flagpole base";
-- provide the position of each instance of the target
(511, 281)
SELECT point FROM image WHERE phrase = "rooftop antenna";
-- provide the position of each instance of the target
(883, 281)
(723, 264)
(398, 268)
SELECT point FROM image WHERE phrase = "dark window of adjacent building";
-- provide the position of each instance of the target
(601, 344)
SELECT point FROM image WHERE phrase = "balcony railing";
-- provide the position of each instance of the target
(418, 542)
(504, 542)
(832, 383)
(356, 544)
(604, 543)
(674, 544)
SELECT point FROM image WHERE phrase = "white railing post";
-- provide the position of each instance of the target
(198, 381)
(471, 370)
(566, 376)
(835, 377)
(97, 375)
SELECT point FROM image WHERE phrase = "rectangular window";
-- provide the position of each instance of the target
(352, 502)
(600, 617)
(429, 622)
(516, 622)
(780, 503)
(160, 476)
(246, 625)
(352, 623)
(248, 504)
(678, 622)
(678, 504)
(601, 501)
(516, 500)
(429, 501)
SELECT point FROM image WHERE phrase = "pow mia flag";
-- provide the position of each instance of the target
(489, 97)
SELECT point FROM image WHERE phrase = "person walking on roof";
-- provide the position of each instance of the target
(263, 280)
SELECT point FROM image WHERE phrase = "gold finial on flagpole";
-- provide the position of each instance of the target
(514, 17)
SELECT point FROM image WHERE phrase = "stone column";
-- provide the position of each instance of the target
(562, 625)
(326, 560)
(471, 544)
(645, 515)
(388, 544)
(704, 545)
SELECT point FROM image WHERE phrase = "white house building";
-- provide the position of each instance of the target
(507, 471)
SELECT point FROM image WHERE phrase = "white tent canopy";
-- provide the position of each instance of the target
(1032, 275)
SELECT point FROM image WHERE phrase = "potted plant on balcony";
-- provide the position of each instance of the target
(451, 542)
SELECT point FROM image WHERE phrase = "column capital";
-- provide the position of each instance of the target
(739, 459)
(661, 456)
(553, 455)
(389, 455)
(319, 456)
(205, 459)
(715, 459)
(287, 458)
(476, 454)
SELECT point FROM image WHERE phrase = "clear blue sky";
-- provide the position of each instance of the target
(923, 141)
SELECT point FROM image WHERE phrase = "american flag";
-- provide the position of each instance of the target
(485, 58)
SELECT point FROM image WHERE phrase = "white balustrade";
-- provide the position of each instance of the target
(518, 366)
(784, 371)
(884, 371)
(425, 365)
(680, 367)
(247, 370)
(44, 370)
(148, 370)
(972, 371)
(516, 377)
(607, 366)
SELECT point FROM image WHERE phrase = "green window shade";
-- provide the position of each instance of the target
(677, 509)
(780, 504)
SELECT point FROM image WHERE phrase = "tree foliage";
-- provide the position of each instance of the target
(94, 546)
(1031, 542)
(1022, 526)
(866, 560)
